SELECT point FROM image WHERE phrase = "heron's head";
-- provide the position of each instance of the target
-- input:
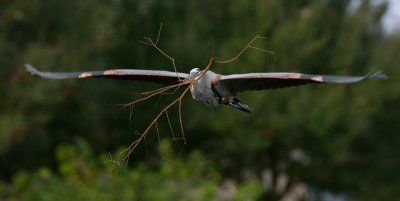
(195, 72)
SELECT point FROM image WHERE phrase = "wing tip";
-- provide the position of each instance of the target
(32, 69)
(378, 75)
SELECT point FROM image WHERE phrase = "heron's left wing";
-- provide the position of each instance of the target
(157, 76)
(264, 81)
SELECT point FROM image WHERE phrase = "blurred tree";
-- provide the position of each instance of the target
(340, 139)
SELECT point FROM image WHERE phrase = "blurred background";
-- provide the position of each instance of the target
(314, 142)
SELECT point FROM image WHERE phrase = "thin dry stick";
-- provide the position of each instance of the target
(135, 143)
(171, 161)
(174, 138)
(149, 94)
(117, 163)
(149, 41)
(158, 134)
(189, 81)
(131, 112)
(264, 50)
(170, 125)
(144, 134)
(156, 92)
(180, 120)
(159, 33)
(249, 45)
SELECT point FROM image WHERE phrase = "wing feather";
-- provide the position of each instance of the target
(157, 76)
(264, 81)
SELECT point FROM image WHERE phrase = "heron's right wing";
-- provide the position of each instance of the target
(157, 76)
(264, 81)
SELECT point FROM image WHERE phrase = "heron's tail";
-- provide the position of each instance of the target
(241, 106)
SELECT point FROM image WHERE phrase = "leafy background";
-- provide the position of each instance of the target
(322, 142)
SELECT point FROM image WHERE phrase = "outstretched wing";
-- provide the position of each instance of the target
(157, 76)
(264, 81)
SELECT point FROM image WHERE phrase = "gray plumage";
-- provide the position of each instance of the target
(213, 89)
(157, 76)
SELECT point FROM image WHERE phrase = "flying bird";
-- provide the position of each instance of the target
(209, 87)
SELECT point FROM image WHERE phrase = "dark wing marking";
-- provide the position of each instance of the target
(264, 81)
(157, 76)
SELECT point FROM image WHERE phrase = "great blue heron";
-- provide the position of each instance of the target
(211, 88)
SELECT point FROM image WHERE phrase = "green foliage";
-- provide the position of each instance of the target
(82, 176)
(348, 134)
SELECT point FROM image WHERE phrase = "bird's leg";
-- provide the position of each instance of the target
(234, 102)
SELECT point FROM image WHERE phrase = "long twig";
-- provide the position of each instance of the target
(127, 152)
(149, 41)
(159, 33)
(159, 91)
(188, 82)
(249, 45)
(170, 126)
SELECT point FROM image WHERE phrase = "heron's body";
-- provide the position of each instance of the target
(202, 87)
(208, 90)
(211, 88)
